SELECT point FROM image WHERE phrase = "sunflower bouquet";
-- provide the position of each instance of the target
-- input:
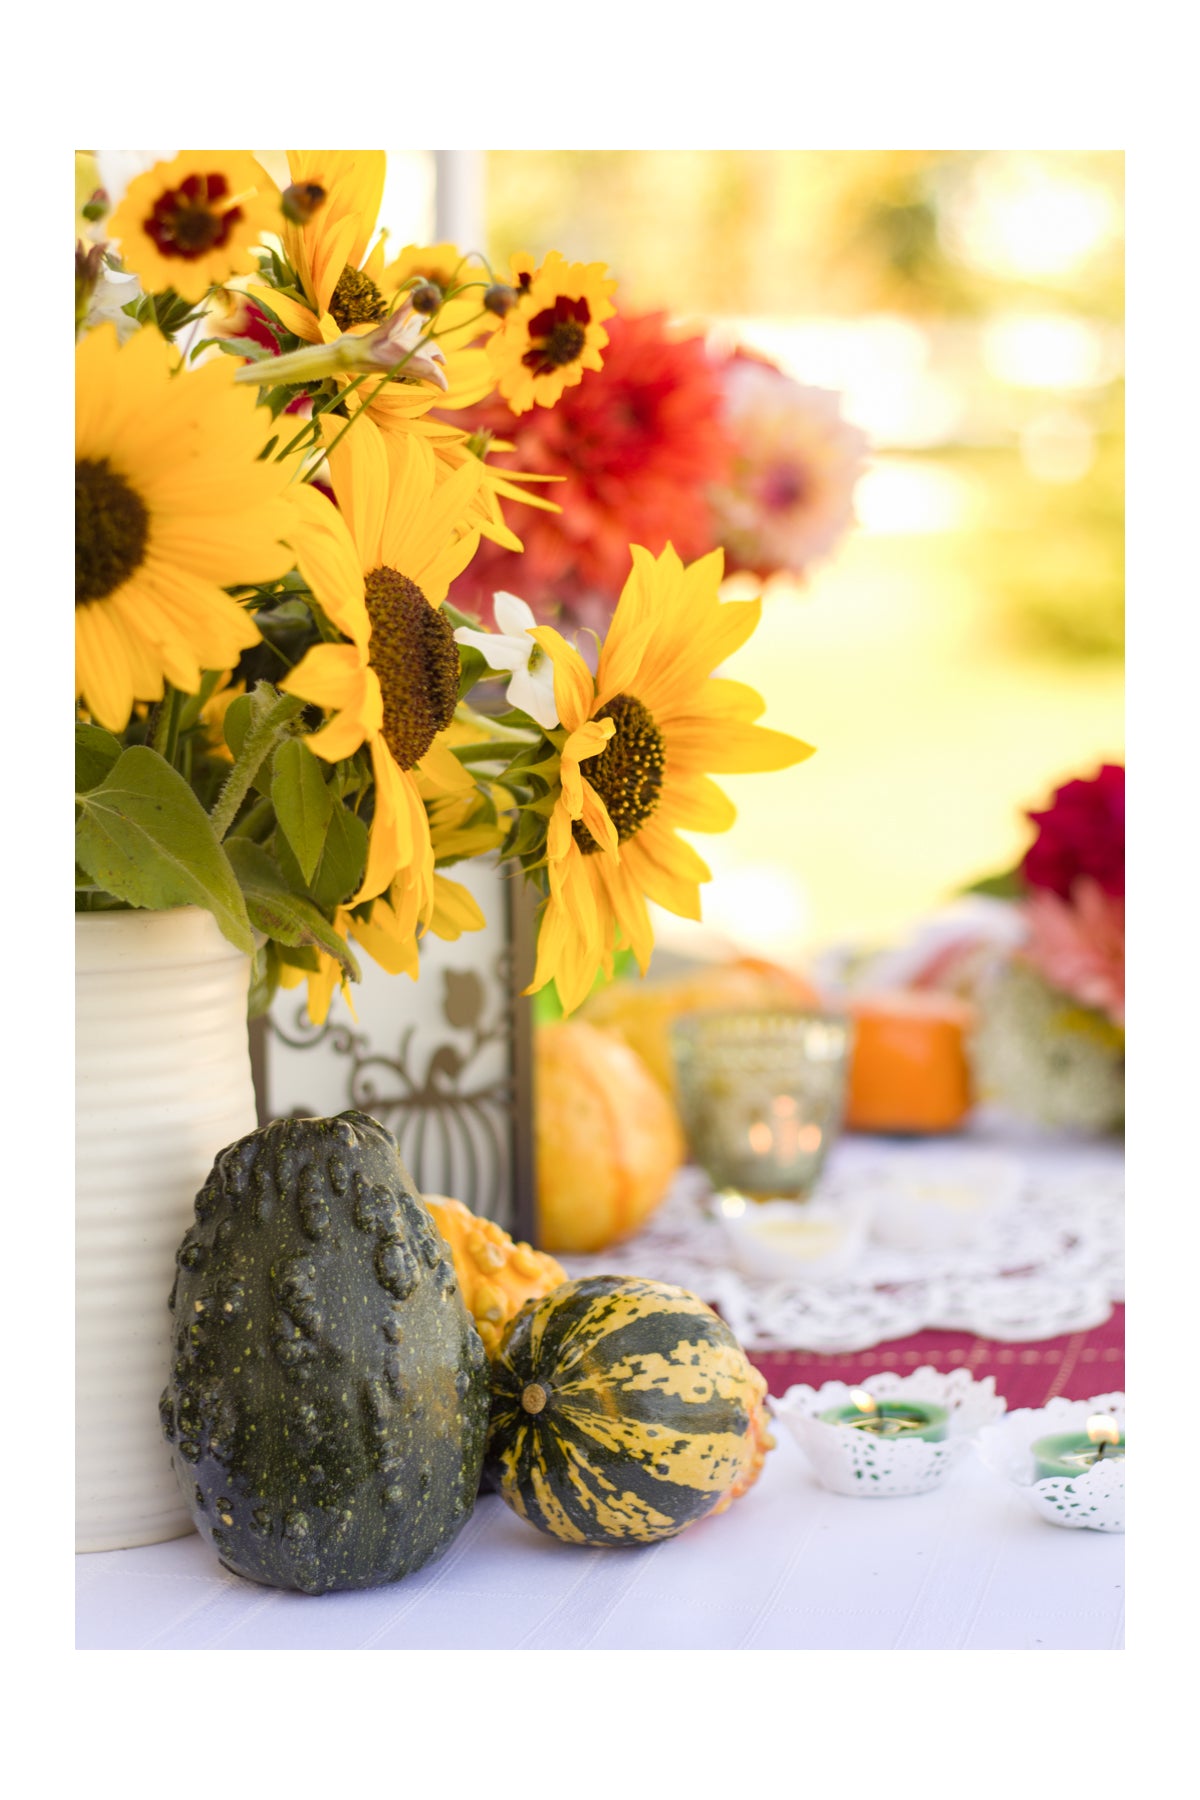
(279, 716)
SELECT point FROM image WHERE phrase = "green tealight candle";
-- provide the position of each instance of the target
(1069, 1453)
(890, 1419)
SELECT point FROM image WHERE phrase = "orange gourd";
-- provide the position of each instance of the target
(496, 1275)
(607, 1138)
(909, 1070)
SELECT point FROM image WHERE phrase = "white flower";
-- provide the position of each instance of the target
(532, 686)
(111, 294)
(401, 339)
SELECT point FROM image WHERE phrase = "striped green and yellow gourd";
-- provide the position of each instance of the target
(622, 1411)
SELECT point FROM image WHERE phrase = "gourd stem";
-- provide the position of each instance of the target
(260, 741)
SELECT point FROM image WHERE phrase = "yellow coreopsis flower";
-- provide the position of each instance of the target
(643, 734)
(192, 223)
(171, 506)
(554, 331)
(380, 564)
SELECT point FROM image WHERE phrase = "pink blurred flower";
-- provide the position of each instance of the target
(1078, 945)
(790, 494)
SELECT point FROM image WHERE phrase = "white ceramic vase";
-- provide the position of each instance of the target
(162, 1083)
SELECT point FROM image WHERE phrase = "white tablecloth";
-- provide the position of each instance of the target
(789, 1566)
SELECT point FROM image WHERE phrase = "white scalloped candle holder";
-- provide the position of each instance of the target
(1091, 1501)
(867, 1467)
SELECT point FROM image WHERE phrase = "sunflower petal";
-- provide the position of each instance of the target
(574, 689)
(329, 562)
(729, 747)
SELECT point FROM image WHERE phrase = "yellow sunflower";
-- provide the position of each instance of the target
(553, 333)
(329, 252)
(192, 223)
(345, 289)
(171, 505)
(641, 738)
(387, 927)
(380, 564)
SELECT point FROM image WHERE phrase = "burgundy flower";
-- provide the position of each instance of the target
(1081, 832)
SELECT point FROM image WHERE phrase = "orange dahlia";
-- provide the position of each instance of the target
(637, 444)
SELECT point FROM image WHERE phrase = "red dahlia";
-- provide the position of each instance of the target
(1081, 832)
(638, 443)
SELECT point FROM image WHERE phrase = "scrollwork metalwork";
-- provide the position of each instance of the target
(455, 1123)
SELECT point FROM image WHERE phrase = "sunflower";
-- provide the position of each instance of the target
(192, 223)
(387, 927)
(171, 505)
(338, 279)
(641, 736)
(553, 333)
(380, 563)
(343, 287)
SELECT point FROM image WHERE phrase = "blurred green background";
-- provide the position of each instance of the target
(961, 654)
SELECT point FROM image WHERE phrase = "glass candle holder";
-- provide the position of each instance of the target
(762, 1096)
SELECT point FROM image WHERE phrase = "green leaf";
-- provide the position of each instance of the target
(472, 667)
(303, 803)
(458, 617)
(1006, 886)
(286, 917)
(143, 836)
(237, 723)
(96, 750)
(234, 346)
(339, 873)
(305, 959)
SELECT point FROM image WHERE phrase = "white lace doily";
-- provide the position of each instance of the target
(1091, 1501)
(1049, 1261)
(866, 1467)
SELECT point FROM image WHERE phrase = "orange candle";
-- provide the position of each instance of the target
(908, 1071)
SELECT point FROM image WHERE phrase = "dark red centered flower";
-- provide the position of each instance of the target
(190, 220)
(557, 335)
(1081, 832)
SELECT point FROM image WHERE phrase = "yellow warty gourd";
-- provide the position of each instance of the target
(496, 1275)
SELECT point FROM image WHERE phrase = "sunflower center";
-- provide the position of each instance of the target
(190, 220)
(111, 529)
(557, 335)
(356, 300)
(413, 653)
(628, 773)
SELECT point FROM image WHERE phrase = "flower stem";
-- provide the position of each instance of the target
(496, 751)
(164, 729)
(499, 734)
(261, 739)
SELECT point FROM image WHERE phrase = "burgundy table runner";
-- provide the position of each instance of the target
(1075, 1366)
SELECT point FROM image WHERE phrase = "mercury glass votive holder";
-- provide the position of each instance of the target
(762, 1096)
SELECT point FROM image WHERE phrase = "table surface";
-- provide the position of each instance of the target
(789, 1566)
